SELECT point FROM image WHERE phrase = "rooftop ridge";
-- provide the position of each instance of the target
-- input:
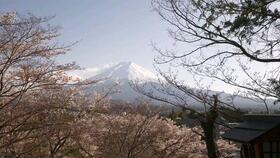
(262, 117)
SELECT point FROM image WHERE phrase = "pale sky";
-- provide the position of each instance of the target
(108, 31)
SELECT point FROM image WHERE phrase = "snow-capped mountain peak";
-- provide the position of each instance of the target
(125, 70)
(124, 74)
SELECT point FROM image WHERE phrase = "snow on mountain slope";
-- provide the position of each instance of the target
(125, 70)
(121, 76)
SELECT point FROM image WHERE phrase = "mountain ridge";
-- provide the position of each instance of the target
(124, 73)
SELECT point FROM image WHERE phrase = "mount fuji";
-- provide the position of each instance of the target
(120, 76)
(126, 71)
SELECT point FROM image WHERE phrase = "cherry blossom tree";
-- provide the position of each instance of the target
(134, 135)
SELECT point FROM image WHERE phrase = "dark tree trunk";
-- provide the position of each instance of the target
(209, 130)
(210, 139)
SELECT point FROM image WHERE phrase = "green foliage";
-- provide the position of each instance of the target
(178, 116)
(239, 18)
